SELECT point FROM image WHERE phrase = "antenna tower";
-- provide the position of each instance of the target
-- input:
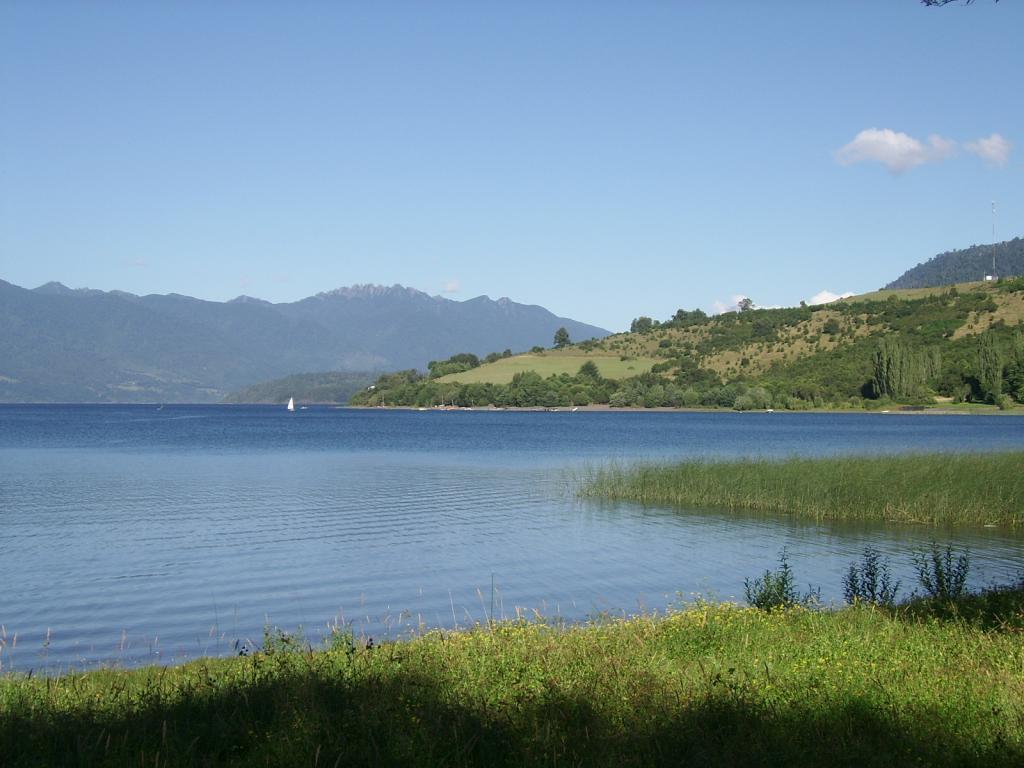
(993, 238)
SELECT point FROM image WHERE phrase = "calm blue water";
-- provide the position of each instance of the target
(130, 534)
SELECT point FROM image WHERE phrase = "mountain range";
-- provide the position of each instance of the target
(81, 345)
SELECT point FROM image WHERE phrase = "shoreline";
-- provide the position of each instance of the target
(896, 410)
(939, 410)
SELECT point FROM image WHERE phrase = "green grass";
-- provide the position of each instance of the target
(979, 489)
(713, 685)
(551, 363)
(910, 294)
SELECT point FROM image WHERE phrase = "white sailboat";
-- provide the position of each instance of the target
(291, 404)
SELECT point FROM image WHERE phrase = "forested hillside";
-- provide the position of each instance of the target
(329, 387)
(966, 265)
(961, 343)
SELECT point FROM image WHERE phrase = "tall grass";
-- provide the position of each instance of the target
(978, 489)
(713, 685)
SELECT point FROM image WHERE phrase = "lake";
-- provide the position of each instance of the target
(137, 534)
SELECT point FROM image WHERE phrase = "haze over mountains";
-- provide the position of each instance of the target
(64, 345)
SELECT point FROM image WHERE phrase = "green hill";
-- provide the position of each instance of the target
(966, 265)
(961, 343)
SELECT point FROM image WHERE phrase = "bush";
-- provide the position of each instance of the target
(620, 399)
(869, 582)
(777, 589)
(690, 398)
(939, 575)
(589, 370)
(655, 397)
(744, 403)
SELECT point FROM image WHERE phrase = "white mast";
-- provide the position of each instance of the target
(993, 238)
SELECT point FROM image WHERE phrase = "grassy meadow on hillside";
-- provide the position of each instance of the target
(553, 362)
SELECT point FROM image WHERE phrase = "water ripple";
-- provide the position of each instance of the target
(135, 538)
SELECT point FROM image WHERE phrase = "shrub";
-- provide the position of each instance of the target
(690, 398)
(743, 403)
(777, 589)
(870, 582)
(620, 400)
(655, 397)
(939, 575)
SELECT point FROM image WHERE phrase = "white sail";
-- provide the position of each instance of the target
(291, 403)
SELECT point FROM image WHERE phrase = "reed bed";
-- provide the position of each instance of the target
(715, 685)
(959, 489)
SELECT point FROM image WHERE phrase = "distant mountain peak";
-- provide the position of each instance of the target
(370, 290)
(243, 299)
(53, 288)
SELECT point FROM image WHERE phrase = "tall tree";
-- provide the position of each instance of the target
(1014, 370)
(900, 372)
(641, 324)
(561, 338)
(990, 366)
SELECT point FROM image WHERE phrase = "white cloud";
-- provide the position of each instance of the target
(995, 150)
(895, 150)
(718, 307)
(821, 297)
(827, 297)
(451, 286)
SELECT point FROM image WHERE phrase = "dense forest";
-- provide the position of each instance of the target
(964, 346)
(965, 266)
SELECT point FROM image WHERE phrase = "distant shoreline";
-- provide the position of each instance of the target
(980, 410)
(937, 410)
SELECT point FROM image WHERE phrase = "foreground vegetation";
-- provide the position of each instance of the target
(707, 684)
(978, 489)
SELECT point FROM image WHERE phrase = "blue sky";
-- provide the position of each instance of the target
(604, 160)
